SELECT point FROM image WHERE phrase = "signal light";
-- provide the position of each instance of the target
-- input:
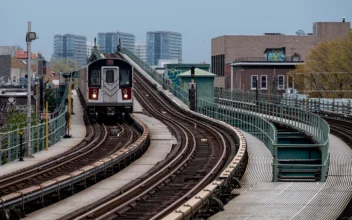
(110, 62)
(93, 93)
(126, 93)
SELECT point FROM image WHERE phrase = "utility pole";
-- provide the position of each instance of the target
(29, 37)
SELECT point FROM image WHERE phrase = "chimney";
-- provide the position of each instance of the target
(343, 19)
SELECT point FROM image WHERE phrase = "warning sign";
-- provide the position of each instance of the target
(43, 115)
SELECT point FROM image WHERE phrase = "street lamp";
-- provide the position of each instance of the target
(30, 36)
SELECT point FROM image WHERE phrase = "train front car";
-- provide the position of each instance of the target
(109, 89)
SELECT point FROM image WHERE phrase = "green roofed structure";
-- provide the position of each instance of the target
(172, 70)
(185, 67)
(204, 81)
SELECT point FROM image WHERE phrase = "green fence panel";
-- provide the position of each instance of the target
(10, 141)
(254, 113)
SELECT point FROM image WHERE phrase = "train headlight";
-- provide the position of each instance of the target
(94, 96)
(125, 95)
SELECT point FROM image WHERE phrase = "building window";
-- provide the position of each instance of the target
(218, 65)
(254, 80)
(281, 83)
(263, 80)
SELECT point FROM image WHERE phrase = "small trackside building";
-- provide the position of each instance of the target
(204, 81)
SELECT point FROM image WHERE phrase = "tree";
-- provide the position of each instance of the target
(65, 65)
(16, 119)
(328, 67)
(50, 97)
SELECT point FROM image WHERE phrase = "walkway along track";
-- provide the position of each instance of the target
(206, 147)
(104, 155)
(341, 127)
(8, 182)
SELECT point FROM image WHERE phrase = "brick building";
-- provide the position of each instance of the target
(269, 75)
(5, 66)
(235, 48)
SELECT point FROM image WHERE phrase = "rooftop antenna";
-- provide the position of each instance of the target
(343, 19)
(95, 42)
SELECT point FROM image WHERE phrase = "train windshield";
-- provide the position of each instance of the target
(125, 80)
(95, 78)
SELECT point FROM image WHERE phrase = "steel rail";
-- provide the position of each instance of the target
(205, 178)
(229, 176)
(192, 191)
(58, 161)
(183, 129)
(83, 173)
(43, 165)
(137, 187)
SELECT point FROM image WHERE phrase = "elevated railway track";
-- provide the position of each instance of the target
(205, 148)
(106, 150)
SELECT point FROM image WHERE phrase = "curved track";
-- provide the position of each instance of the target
(342, 127)
(203, 153)
(105, 141)
(51, 169)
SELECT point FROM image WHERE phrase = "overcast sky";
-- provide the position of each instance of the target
(197, 20)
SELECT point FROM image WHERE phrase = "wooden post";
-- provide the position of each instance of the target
(46, 126)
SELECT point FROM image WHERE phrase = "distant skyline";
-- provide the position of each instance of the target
(198, 21)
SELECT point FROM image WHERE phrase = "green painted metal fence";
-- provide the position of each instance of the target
(243, 111)
(310, 104)
(297, 118)
(151, 72)
(10, 141)
(179, 92)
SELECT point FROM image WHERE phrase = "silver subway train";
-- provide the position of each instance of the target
(106, 86)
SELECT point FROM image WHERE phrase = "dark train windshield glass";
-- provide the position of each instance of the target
(109, 76)
(95, 78)
(125, 78)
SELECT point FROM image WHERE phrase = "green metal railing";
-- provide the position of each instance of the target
(243, 111)
(175, 89)
(251, 95)
(179, 92)
(10, 141)
(251, 123)
(297, 118)
(151, 72)
(309, 104)
(58, 110)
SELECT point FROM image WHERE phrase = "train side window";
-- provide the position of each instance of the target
(124, 78)
(95, 78)
(109, 76)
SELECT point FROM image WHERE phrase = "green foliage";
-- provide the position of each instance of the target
(328, 67)
(65, 65)
(17, 120)
(50, 97)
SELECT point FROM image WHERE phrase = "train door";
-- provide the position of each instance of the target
(110, 84)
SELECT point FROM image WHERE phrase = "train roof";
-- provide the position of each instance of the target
(110, 62)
